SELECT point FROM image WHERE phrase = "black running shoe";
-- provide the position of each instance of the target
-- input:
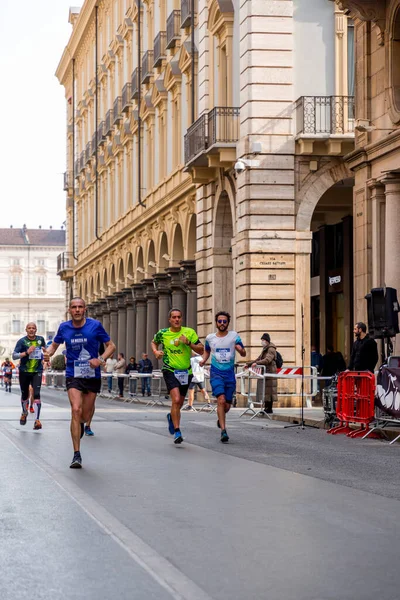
(76, 461)
(178, 439)
(82, 430)
(224, 436)
(22, 420)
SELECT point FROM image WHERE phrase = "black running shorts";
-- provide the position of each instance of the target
(27, 379)
(84, 385)
(200, 384)
(171, 382)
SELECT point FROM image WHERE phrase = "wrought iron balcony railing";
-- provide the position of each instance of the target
(196, 138)
(220, 126)
(147, 66)
(186, 13)
(324, 115)
(126, 97)
(223, 125)
(160, 45)
(107, 123)
(88, 153)
(94, 146)
(82, 160)
(135, 84)
(100, 134)
(65, 261)
(76, 169)
(117, 110)
(173, 28)
(67, 181)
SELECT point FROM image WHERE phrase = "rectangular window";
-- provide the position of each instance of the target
(350, 57)
(16, 284)
(15, 325)
(40, 262)
(15, 262)
(41, 284)
(41, 326)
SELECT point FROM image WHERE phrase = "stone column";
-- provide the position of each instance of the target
(162, 287)
(98, 312)
(377, 199)
(112, 305)
(121, 322)
(90, 310)
(106, 315)
(152, 316)
(141, 319)
(348, 280)
(177, 292)
(189, 281)
(130, 323)
(392, 229)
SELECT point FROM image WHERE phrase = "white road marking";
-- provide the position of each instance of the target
(178, 585)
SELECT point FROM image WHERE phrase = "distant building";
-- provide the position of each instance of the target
(29, 287)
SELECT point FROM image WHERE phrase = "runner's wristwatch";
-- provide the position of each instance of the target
(101, 359)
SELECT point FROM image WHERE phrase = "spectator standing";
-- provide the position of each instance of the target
(119, 368)
(316, 358)
(364, 354)
(267, 359)
(109, 368)
(132, 367)
(332, 362)
(145, 366)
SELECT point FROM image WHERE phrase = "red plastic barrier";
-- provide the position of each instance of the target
(355, 402)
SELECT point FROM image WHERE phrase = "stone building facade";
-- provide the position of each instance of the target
(375, 161)
(29, 287)
(157, 213)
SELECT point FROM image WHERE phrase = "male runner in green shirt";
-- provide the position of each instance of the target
(177, 345)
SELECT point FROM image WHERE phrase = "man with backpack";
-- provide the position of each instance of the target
(270, 359)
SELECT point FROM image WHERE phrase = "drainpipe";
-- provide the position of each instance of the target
(96, 115)
(139, 101)
(192, 65)
(73, 160)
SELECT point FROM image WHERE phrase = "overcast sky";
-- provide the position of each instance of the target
(33, 35)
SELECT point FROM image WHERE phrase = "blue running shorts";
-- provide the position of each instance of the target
(220, 385)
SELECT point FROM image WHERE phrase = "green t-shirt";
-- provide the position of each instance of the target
(176, 358)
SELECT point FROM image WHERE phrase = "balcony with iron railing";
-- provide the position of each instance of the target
(325, 124)
(147, 66)
(107, 129)
(68, 183)
(100, 134)
(88, 153)
(135, 84)
(94, 144)
(65, 265)
(186, 13)
(126, 97)
(76, 167)
(173, 28)
(160, 46)
(117, 110)
(82, 160)
(211, 142)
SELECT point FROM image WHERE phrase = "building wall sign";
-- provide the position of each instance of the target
(335, 279)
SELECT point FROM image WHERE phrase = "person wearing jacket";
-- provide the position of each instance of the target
(145, 366)
(132, 366)
(364, 354)
(267, 359)
(119, 368)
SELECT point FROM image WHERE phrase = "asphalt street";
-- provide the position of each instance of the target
(281, 514)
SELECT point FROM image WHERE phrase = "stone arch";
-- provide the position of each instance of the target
(314, 188)
(91, 290)
(140, 270)
(104, 283)
(223, 273)
(85, 292)
(163, 263)
(112, 282)
(178, 251)
(129, 268)
(121, 275)
(97, 286)
(191, 238)
(151, 258)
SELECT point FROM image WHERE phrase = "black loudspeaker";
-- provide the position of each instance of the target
(383, 312)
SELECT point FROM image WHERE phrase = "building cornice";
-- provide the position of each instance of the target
(361, 156)
(366, 10)
(79, 29)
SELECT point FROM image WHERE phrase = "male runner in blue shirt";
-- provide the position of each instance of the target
(82, 337)
(222, 346)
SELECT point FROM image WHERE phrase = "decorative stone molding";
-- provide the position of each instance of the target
(367, 10)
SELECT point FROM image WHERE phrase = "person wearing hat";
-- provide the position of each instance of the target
(267, 359)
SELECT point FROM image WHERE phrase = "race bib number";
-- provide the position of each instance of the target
(83, 370)
(223, 355)
(182, 377)
(36, 354)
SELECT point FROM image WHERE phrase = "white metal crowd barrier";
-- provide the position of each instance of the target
(252, 386)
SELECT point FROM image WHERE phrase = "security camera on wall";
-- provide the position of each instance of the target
(245, 163)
